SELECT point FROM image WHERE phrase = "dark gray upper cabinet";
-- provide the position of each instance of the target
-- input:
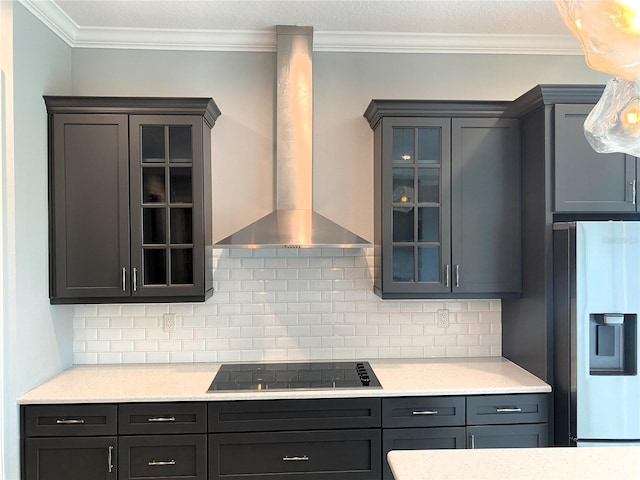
(563, 178)
(585, 180)
(447, 199)
(130, 199)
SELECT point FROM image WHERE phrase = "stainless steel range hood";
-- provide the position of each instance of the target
(294, 223)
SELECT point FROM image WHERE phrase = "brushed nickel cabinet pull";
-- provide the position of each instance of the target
(303, 458)
(161, 463)
(457, 275)
(161, 419)
(473, 441)
(124, 279)
(446, 276)
(110, 459)
(508, 409)
(70, 421)
(633, 192)
(425, 412)
(135, 279)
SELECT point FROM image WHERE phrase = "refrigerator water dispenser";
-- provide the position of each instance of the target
(613, 339)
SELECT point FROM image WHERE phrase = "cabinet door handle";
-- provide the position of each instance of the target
(70, 421)
(456, 271)
(161, 463)
(303, 458)
(473, 441)
(508, 410)
(110, 459)
(135, 279)
(633, 192)
(446, 276)
(424, 412)
(124, 279)
(161, 419)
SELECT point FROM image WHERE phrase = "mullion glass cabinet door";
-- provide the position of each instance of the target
(416, 161)
(168, 163)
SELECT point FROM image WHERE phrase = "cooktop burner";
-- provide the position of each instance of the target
(285, 376)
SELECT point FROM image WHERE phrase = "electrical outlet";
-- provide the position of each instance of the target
(443, 318)
(169, 322)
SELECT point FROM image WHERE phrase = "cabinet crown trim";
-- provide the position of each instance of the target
(201, 106)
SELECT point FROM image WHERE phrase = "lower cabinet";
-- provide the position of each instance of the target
(508, 436)
(70, 458)
(163, 456)
(310, 439)
(313, 455)
(479, 421)
(298, 439)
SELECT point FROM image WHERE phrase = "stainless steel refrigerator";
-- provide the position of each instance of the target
(596, 305)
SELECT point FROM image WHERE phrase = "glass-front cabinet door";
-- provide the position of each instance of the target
(416, 205)
(166, 209)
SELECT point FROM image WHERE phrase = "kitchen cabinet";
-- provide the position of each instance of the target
(299, 439)
(130, 199)
(563, 179)
(585, 180)
(69, 442)
(446, 199)
(478, 421)
(162, 440)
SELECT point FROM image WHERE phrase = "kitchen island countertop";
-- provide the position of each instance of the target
(566, 463)
(190, 381)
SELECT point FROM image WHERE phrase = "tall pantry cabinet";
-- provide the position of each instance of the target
(563, 179)
(130, 199)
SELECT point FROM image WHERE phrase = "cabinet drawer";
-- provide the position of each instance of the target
(162, 418)
(508, 436)
(168, 456)
(502, 409)
(70, 420)
(273, 415)
(423, 411)
(313, 455)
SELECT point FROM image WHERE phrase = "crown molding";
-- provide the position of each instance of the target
(265, 40)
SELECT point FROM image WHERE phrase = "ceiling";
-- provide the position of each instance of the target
(498, 26)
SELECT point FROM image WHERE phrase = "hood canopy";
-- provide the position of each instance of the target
(294, 224)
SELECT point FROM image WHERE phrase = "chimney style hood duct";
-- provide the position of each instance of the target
(293, 223)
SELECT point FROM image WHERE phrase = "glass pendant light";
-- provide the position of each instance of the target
(609, 32)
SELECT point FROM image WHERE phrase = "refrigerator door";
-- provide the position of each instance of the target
(607, 336)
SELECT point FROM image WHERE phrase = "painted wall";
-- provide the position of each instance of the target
(37, 338)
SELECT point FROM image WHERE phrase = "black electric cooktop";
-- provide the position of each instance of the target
(286, 376)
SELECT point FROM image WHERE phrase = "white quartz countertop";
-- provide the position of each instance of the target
(189, 382)
(554, 463)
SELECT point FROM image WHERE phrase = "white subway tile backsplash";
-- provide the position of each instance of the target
(287, 304)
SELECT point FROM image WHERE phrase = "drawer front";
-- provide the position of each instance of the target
(273, 415)
(70, 420)
(503, 409)
(162, 418)
(531, 435)
(69, 458)
(169, 457)
(315, 455)
(419, 439)
(423, 412)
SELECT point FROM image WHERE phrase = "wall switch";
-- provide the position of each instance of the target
(169, 322)
(443, 318)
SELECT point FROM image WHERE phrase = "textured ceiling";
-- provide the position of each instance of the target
(512, 17)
